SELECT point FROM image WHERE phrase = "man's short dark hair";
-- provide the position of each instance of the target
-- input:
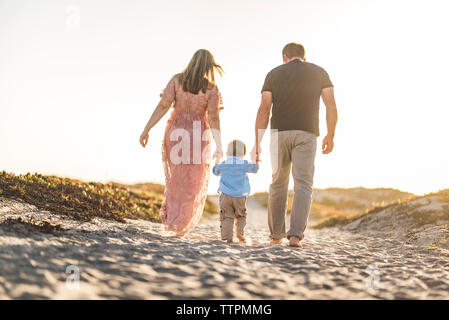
(294, 49)
(236, 148)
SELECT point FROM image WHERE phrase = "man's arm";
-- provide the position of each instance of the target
(327, 94)
(263, 117)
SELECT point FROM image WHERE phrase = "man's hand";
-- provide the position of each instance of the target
(144, 139)
(331, 119)
(328, 144)
(255, 154)
(262, 119)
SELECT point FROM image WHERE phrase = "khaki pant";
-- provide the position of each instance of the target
(292, 150)
(232, 209)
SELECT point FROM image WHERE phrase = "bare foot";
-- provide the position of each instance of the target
(194, 236)
(274, 242)
(295, 242)
(180, 234)
(240, 237)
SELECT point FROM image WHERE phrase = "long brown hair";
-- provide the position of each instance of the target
(200, 72)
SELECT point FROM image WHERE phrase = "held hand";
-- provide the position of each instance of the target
(144, 139)
(218, 154)
(255, 154)
(328, 144)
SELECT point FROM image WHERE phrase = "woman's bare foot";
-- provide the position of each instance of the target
(274, 242)
(180, 234)
(295, 242)
(194, 236)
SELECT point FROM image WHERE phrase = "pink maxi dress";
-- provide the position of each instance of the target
(186, 155)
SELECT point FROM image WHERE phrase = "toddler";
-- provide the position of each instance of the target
(234, 189)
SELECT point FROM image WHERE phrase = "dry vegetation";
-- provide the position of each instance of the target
(339, 205)
(85, 200)
(443, 195)
(411, 208)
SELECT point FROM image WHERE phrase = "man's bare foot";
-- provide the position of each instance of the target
(274, 242)
(295, 242)
(240, 237)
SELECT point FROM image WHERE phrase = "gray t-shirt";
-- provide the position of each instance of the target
(296, 87)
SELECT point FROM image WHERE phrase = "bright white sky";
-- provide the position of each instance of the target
(79, 80)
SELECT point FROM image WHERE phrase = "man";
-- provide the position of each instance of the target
(293, 89)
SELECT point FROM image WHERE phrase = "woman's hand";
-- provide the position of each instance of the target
(144, 138)
(161, 109)
(218, 154)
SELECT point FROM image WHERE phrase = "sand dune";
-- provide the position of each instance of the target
(138, 260)
(423, 221)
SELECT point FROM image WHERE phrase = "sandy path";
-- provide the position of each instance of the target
(136, 260)
(257, 215)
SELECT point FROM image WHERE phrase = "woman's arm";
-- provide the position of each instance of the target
(161, 109)
(214, 122)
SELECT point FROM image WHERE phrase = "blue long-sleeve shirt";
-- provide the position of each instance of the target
(234, 176)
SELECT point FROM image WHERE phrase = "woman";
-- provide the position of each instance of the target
(186, 146)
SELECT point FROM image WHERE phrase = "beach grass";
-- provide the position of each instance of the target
(85, 200)
(336, 206)
(401, 205)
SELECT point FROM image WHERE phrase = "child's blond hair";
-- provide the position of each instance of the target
(236, 148)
